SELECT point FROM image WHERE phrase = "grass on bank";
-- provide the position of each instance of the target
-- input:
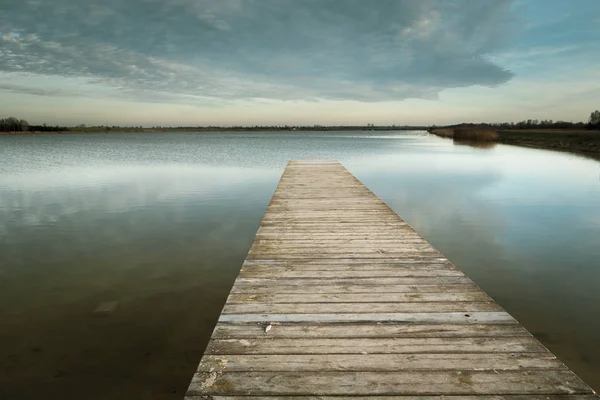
(476, 134)
(581, 141)
(468, 134)
(445, 133)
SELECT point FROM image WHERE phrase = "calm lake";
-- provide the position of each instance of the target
(118, 251)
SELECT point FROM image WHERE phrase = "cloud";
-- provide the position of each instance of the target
(202, 51)
(16, 88)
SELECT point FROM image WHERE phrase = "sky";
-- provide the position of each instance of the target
(298, 62)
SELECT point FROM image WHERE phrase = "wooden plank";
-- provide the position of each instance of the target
(349, 262)
(431, 397)
(268, 345)
(316, 254)
(387, 383)
(379, 362)
(264, 233)
(328, 242)
(328, 233)
(254, 307)
(422, 318)
(336, 252)
(314, 216)
(320, 223)
(287, 273)
(344, 288)
(324, 274)
(354, 298)
(344, 248)
(329, 207)
(380, 330)
(352, 270)
(340, 298)
(403, 280)
(315, 213)
(334, 241)
(337, 231)
(322, 220)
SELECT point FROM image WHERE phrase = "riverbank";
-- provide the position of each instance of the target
(579, 141)
(583, 142)
(213, 129)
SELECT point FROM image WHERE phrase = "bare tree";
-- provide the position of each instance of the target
(595, 119)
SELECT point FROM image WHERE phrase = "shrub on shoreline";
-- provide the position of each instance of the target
(447, 133)
(476, 134)
(468, 134)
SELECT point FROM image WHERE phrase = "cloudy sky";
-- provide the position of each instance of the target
(228, 62)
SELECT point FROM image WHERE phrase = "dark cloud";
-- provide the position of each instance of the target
(16, 88)
(181, 50)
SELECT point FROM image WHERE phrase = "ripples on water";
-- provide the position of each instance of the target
(153, 228)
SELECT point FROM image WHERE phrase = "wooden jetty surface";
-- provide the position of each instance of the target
(340, 298)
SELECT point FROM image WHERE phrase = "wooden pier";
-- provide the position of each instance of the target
(340, 298)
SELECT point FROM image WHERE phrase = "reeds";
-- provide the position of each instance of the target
(475, 134)
(480, 144)
(446, 133)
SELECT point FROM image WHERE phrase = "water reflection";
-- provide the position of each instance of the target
(474, 143)
(161, 223)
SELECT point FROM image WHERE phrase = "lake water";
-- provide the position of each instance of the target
(118, 251)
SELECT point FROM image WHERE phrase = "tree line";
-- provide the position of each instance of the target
(540, 124)
(12, 124)
(593, 123)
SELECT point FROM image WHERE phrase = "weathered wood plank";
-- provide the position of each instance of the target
(431, 397)
(388, 383)
(322, 227)
(421, 318)
(322, 220)
(344, 288)
(403, 280)
(324, 274)
(328, 241)
(268, 345)
(345, 272)
(338, 213)
(330, 248)
(350, 262)
(380, 362)
(302, 241)
(372, 234)
(373, 254)
(254, 307)
(332, 252)
(314, 216)
(382, 330)
(347, 243)
(356, 298)
(364, 224)
(300, 270)
(270, 233)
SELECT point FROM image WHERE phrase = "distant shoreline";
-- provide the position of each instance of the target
(583, 142)
(577, 141)
(220, 129)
